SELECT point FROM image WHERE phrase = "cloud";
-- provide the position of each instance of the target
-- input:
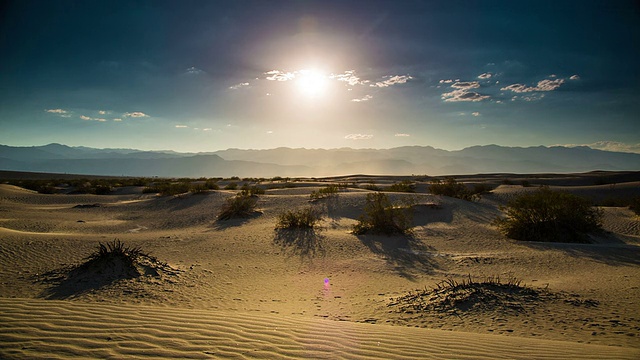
(238, 86)
(485, 76)
(463, 95)
(56, 111)
(475, 113)
(349, 77)
(102, 112)
(100, 119)
(574, 77)
(85, 117)
(277, 75)
(206, 129)
(393, 80)
(466, 85)
(365, 98)
(449, 81)
(194, 71)
(181, 126)
(135, 114)
(117, 119)
(610, 146)
(401, 135)
(543, 85)
(358, 137)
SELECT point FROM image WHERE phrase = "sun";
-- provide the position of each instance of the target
(311, 83)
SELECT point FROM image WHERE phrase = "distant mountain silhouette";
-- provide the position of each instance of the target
(423, 160)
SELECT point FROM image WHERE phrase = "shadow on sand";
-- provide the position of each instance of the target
(406, 254)
(610, 250)
(306, 243)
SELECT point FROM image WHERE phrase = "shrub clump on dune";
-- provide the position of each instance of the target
(240, 206)
(450, 187)
(551, 216)
(382, 217)
(305, 218)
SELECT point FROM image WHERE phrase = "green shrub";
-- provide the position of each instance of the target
(371, 186)
(325, 192)
(239, 206)
(305, 218)
(547, 215)
(450, 187)
(381, 216)
(404, 186)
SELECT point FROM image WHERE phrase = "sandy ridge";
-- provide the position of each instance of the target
(32, 328)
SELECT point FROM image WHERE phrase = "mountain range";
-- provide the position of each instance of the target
(423, 160)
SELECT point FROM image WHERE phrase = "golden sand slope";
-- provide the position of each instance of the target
(57, 329)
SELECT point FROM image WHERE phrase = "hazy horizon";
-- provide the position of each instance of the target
(204, 76)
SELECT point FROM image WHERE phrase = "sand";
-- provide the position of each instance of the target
(241, 289)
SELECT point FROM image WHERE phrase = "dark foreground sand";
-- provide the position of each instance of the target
(240, 289)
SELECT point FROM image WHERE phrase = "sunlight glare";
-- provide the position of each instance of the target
(311, 83)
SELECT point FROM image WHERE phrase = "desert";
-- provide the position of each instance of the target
(203, 287)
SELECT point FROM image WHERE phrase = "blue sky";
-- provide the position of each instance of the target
(209, 75)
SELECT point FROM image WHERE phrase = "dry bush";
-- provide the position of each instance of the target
(240, 206)
(305, 218)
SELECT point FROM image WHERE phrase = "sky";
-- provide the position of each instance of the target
(197, 76)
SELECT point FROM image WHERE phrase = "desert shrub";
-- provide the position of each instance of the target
(547, 215)
(252, 190)
(102, 190)
(450, 187)
(211, 185)
(381, 216)
(371, 186)
(116, 249)
(167, 188)
(404, 186)
(231, 186)
(481, 189)
(199, 189)
(325, 192)
(305, 218)
(239, 206)
(635, 205)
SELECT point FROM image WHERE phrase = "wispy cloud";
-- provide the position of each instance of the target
(463, 95)
(83, 117)
(358, 137)
(194, 71)
(181, 126)
(476, 113)
(392, 80)
(238, 86)
(574, 77)
(135, 114)
(102, 112)
(349, 77)
(485, 76)
(277, 75)
(56, 111)
(543, 85)
(117, 119)
(365, 98)
(466, 85)
(401, 135)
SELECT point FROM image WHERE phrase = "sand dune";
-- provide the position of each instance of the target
(239, 288)
(58, 329)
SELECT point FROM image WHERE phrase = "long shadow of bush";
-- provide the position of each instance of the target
(297, 230)
(109, 263)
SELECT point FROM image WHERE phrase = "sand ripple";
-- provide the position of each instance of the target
(63, 329)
